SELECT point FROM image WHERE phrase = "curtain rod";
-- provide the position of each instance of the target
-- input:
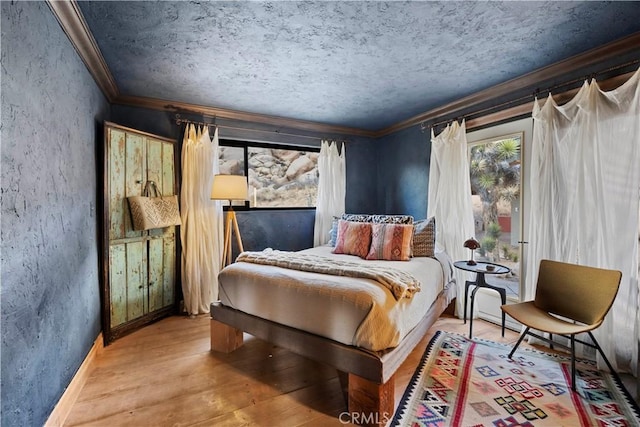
(180, 120)
(536, 93)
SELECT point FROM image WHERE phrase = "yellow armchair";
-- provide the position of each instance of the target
(570, 299)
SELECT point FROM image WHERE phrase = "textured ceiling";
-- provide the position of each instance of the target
(366, 65)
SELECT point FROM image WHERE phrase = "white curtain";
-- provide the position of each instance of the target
(450, 197)
(585, 191)
(202, 221)
(332, 188)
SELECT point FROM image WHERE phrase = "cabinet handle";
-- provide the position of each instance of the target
(150, 283)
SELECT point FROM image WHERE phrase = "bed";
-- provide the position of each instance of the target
(364, 325)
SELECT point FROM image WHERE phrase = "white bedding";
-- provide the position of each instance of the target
(352, 311)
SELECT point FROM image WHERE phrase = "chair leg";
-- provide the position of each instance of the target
(503, 299)
(526, 331)
(597, 346)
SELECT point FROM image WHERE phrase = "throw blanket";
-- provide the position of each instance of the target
(401, 284)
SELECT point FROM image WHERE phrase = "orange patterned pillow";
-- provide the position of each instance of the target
(391, 242)
(353, 238)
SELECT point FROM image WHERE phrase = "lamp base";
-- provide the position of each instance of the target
(471, 262)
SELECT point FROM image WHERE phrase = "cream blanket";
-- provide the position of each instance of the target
(400, 283)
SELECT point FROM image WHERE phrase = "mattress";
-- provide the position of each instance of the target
(352, 311)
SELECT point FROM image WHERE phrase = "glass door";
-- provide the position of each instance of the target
(496, 188)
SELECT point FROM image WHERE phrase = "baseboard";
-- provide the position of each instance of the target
(63, 407)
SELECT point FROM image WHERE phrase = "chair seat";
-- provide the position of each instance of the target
(528, 314)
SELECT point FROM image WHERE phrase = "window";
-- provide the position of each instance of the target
(280, 176)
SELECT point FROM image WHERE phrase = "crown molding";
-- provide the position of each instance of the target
(223, 113)
(591, 57)
(75, 27)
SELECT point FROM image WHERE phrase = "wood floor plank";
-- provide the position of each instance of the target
(166, 375)
(317, 404)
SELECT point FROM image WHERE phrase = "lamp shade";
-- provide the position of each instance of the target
(229, 187)
(471, 243)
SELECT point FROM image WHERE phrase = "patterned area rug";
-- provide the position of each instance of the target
(462, 382)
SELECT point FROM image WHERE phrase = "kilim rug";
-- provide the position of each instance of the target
(462, 382)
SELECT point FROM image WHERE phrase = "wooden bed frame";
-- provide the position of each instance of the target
(367, 377)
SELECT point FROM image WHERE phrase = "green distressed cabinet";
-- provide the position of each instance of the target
(139, 267)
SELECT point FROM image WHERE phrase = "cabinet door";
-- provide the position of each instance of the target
(128, 282)
(140, 266)
(161, 272)
(160, 169)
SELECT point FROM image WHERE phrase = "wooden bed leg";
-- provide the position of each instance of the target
(370, 403)
(224, 338)
(344, 384)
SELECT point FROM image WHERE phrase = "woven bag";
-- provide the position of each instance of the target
(155, 211)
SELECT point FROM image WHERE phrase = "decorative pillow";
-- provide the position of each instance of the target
(333, 233)
(381, 219)
(354, 238)
(391, 242)
(424, 237)
(356, 217)
(391, 219)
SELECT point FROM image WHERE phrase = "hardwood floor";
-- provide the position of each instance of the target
(165, 375)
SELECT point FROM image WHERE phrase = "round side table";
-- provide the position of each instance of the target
(481, 268)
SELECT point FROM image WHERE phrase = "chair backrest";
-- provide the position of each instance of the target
(577, 292)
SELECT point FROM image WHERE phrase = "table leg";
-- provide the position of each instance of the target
(473, 298)
(466, 298)
(481, 283)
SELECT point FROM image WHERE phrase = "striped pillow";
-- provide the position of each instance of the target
(391, 242)
(354, 238)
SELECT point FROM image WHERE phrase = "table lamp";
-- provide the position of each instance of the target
(472, 244)
(230, 187)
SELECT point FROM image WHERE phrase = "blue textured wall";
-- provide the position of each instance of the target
(50, 292)
(286, 230)
(362, 160)
(403, 172)
(155, 122)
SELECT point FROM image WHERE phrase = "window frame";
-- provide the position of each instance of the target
(245, 145)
